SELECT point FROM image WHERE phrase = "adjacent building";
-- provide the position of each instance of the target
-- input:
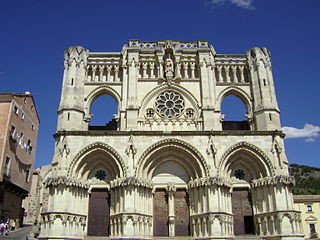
(309, 206)
(37, 200)
(169, 164)
(19, 124)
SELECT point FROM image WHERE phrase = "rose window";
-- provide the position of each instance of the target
(101, 175)
(169, 104)
(239, 173)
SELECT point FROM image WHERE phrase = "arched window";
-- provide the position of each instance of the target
(234, 112)
(104, 112)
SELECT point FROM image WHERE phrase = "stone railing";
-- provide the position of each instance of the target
(168, 44)
(231, 69)
(104, 67)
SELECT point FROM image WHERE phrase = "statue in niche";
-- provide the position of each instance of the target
(169, 68)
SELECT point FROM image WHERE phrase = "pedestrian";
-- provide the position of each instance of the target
(2, 228)
(7, 227)
(13, 224)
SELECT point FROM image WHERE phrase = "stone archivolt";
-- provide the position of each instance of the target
(160, 174)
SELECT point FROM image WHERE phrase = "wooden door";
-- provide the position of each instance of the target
(182, 216)
(99, 213)
(160, 214)
(242, 212)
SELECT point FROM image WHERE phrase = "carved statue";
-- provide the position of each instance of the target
(168, 68)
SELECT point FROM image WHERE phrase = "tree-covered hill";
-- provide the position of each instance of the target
(307, 179)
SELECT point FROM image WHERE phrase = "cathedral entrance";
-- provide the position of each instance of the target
(182, 216)
(160, 213)
(99, 212)
(242, 211)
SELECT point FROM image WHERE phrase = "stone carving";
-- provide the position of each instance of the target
(63, 180)
(211, 149)
(279, 179)
(208, 181)
(121, 182)
(169, 68)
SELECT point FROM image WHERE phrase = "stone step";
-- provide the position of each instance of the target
(247, 237)
(239, 237)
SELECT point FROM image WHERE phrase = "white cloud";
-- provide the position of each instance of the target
(309, 131)
(247, 4)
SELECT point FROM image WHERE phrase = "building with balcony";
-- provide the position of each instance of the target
(19, 124)
(309, 206)
(169, 164)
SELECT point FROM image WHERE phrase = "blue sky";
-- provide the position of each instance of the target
(34, 35)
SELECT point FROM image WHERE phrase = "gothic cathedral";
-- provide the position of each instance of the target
(169, 164)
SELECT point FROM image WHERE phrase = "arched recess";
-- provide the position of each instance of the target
(172, 87)
(94, 157)
(175, 151)
(240, 122)
(246, 156)
(97, 93)
(238, 92)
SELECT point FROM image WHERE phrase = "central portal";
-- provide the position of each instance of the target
(181, 216)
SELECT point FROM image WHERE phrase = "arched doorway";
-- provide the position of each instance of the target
(244, 163)
(97, 165)
(170, 164)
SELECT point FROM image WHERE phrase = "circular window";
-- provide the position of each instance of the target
(150, 113)
(239, 173)
(169, 104)
(101, 175)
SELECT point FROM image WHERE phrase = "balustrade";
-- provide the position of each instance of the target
(103, 73)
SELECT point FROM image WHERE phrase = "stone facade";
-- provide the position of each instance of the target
(168, 164)
(37, 200)
(19, 124)
(309, 205)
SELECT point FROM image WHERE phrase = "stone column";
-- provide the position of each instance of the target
(171, 190)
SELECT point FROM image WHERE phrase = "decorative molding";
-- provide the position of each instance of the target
(99, 146)
(275, 180)
(137, 182)
(208, 181)
(246, 146)
(172, 142)
(64, 180)
(172, 133)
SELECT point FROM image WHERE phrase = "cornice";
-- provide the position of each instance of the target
(169, 133)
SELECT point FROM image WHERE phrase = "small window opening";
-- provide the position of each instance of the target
(309, 208)
(264, 82)
(7, 166)
(270, 117)
(25, 100)
(71, 81)
(32, 127)
(22, 116)
(27, 175)
(16, 109)
(13, 131)
(68, 116)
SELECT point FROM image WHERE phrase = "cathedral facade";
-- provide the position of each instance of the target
(168, 164)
